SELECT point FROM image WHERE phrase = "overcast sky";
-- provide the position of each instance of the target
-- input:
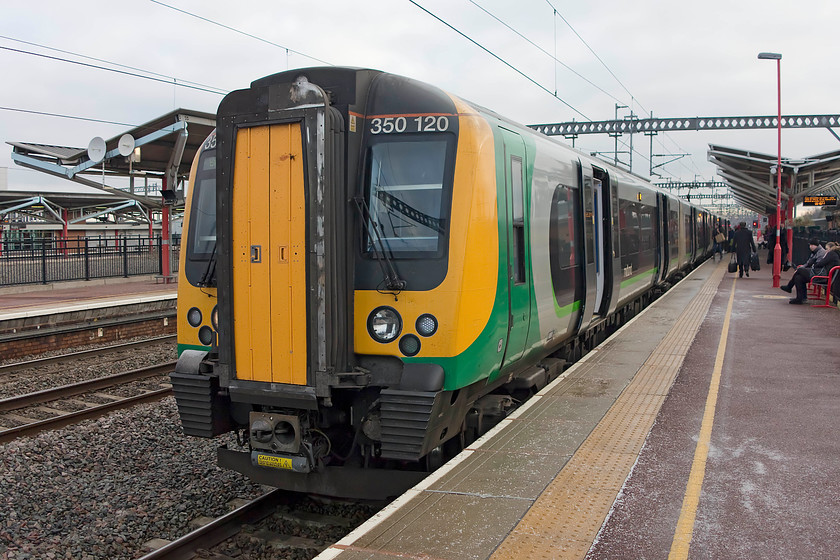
(675, 58)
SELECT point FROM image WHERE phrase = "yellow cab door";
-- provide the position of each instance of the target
(269, 255)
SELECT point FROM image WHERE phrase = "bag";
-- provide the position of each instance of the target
(733, 265)
(754, 264)
(720, 238)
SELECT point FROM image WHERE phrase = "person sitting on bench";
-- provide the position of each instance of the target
(819, 263)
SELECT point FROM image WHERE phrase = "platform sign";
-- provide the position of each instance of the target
(820, 200)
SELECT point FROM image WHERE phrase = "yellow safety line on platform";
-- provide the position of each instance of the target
(685, 524)
(565, 520)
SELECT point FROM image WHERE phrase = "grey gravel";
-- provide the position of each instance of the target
(101, 489)
(55, 375)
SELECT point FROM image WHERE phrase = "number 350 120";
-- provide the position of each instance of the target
(397, 125)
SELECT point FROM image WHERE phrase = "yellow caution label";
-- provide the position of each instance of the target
(275, 462)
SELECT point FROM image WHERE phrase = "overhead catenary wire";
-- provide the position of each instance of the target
(582, 40)
(173, 82)
(542, 50)
(500, 59)
(554, 58)
(604, 64)
(117, 64)
(239, 31)
(59, 115)
(506, 63)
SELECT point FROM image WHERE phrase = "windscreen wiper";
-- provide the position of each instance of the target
(208, 279)
(392, 279)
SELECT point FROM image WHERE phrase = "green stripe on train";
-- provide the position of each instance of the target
(566, 310)
(182, 347)
(635, 278)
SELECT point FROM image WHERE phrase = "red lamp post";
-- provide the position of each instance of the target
(777, 250)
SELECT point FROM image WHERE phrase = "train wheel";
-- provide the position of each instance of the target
(435, 459)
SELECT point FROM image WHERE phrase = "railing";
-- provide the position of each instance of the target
(42, 261)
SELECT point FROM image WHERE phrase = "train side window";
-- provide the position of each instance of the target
(518, 219)
(561, 244)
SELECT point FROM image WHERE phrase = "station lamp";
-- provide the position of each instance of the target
(777, 250)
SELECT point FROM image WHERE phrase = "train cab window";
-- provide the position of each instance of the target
(201, 243)
(204, 209)
(407, 184)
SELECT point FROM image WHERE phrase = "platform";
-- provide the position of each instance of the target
(36, 299)
(73, 314)
(704, 428)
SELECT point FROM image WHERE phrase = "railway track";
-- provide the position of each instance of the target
(28, 364)
(24, 415)
(268, 522)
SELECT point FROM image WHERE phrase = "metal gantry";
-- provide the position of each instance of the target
(655, 125)
(745, 173)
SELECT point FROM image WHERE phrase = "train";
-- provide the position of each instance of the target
(375, 272)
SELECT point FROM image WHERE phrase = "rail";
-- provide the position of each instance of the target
(34, 426)
(17, 366)
(220, 529)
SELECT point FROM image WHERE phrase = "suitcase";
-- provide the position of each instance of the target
(733, 265)
(754, 264)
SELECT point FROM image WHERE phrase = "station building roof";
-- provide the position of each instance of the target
(752, 179)
(163, 150)
(167, 146)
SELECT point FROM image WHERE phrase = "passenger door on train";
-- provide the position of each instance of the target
(519, 282)
(662, 254)
(597, 206)
(611, 242)
(593, 240)
(269, 255)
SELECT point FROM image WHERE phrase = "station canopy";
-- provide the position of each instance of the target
(751, 177)
(163, 149)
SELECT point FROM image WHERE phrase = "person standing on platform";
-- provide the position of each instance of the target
(771, 245)
(744, 247)
(720, 239)
(730, 241)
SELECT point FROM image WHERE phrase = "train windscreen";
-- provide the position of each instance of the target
(406, 196)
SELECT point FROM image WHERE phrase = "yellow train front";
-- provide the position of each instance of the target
(394, 266)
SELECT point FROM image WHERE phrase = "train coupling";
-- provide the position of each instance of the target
(276, 442)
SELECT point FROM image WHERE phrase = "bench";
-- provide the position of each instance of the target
(815, 287)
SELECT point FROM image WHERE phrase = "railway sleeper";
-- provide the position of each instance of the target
(283, 542)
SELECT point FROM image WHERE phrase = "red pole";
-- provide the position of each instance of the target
(164, 233)
(777, 250)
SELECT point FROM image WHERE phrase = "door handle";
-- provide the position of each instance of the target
(256, 253)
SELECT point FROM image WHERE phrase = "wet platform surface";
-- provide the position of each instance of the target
(628, 456)
(35, 300)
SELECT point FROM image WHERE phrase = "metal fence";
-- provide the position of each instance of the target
(45, 260)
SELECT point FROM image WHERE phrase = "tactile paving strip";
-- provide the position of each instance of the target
(566, 518)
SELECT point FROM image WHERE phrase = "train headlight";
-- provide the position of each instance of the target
(384, 324)
(426, 325)
(410, 345)
(205, 335)
(214, 318)
(194, 316)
